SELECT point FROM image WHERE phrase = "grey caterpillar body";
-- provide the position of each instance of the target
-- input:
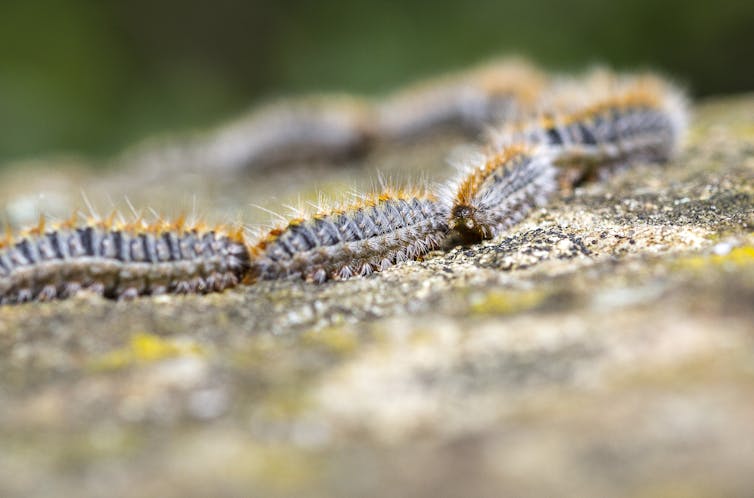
(469, 101)
(368, 236)
(636, 119)
(118, 263)
(631, 134)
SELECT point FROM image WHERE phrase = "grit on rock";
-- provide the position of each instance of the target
(603, 347)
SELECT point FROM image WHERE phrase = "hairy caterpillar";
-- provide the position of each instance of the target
(123, 261)
(331, 127)
(630, 119)
(634, 119)
(467, 101)
(616, 121)
(120, 261)
(497, 190)
(367, 236)
(328, 127)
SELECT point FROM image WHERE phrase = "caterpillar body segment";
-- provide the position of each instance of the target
(120, 262)
(368, 236)
(324, 127)
(490, 94)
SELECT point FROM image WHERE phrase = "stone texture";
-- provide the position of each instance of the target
(603, 347)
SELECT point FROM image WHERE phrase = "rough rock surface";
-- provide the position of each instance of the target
(604, 347)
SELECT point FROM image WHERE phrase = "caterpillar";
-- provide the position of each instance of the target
(631, 119)
(329, 127)
(119, 260)
(468, 101)
(497, 190)
(333, 127)
(126, 260)
(622, 120)
(367, 236)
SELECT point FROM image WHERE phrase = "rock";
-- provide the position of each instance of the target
(602, 347)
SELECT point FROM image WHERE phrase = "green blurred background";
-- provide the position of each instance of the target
(92, 76)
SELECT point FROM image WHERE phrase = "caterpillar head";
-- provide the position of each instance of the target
(465, 226)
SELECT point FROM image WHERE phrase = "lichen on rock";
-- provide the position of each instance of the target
(603, 346)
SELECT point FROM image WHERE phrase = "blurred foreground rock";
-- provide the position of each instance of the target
(604, 347)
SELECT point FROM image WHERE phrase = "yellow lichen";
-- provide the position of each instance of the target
(737, 257)
(336, 339)
(286, 401)
(499, 302)
(287, 469)
(146, 348)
